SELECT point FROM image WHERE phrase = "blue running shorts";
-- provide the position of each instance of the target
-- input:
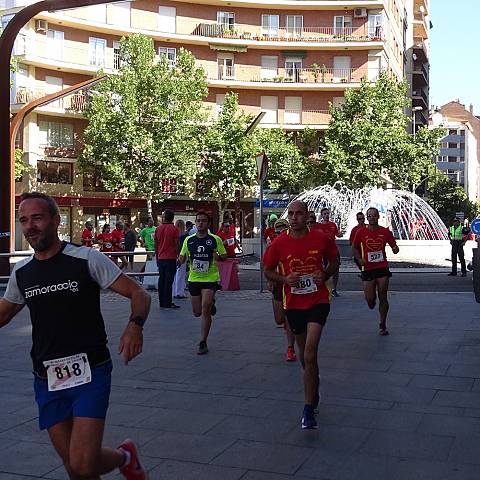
(89, 400)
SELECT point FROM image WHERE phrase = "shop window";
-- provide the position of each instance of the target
(54, 172)
(92, 182)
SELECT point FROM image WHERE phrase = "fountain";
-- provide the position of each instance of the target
(405, 213)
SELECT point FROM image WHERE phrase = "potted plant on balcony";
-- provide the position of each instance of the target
(316, 71)
(246, 35)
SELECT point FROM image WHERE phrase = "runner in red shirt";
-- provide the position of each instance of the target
(118, 241)
(299, 255)
(312, 221)
(105, 239)
(87, 235)
(355, 229)
(227, 235)
(369, 250)
(331, 229)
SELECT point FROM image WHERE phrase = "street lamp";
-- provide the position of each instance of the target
(7, 180)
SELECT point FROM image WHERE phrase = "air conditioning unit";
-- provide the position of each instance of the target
(41, 26)
(360, 13)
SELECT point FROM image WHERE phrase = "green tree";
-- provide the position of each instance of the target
(144, 122)
(287, 166)
(228, 162)
(447, 198)
(367, 139)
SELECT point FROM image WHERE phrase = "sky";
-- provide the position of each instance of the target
(455, 52)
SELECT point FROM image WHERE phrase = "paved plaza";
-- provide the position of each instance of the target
(404, 407)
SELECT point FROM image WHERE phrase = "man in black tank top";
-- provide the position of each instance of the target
(60, 284)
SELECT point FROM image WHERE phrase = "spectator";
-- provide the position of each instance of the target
(87, 235)
(227, 234)
(130, 244)
(118, 241)
(179, 282)
(166, 250)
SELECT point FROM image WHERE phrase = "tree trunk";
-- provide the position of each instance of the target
(221, 212)
(149, 206)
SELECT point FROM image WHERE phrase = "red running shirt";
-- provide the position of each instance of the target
(303, 255)
(328, 228)
(107, 239)
(269, 234)
(118, 240)
(372, 245)
(87, 238)
(354, 231)
(229, 242)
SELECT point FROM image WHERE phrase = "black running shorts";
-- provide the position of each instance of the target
(195, 288)
(298, 319)
(369, 275)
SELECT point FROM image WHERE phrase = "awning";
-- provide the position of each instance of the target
(294, 53)
(228, 48)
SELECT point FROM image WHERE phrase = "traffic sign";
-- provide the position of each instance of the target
(475, 226)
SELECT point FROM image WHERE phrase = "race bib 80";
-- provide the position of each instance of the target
(305, 285)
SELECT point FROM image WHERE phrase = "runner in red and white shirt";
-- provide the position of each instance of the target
(118, 241)
(355, 229)
(296, 259)
(87, 235)
(369, 250)
(331, 229)
(105, 239)
(227, 235)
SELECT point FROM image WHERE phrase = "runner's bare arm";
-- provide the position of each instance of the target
(7, 311)
(218, 257)
(131, 341)
(358, 255)
(181, 260)
(274, 276)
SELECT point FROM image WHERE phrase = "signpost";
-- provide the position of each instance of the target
(262, 172)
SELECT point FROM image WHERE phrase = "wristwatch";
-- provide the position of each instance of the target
(138, 320)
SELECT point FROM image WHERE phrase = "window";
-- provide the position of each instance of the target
(293, 110)
(167, 19)
(120, 14)
(442, 158)
(452, 132)
(293, 68)
(294, 25)
(226, 66)
(453, 175)
(375, 25)
(462, 133)
(55, 44)
(342, 24)
(6, 19)
(54, 172)
(219, 99)
(270, 25)
(53, 134)
(226, 19)
(269, 104)
(452, 145)
(338, 102)
(169, 53)
(97, 47)
(53, 85)
(117, 62)
(92, 182)
(269, 67)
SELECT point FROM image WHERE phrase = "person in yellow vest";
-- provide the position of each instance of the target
(458, 236)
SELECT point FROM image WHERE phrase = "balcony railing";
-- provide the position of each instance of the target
(75, 103)
(293, 34)
(420, 93)
(244, 73)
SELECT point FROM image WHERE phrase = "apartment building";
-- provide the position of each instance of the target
(417, 63)
(459, 156)
(291, 59)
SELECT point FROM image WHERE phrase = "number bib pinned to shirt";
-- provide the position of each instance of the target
(375, 257)
(200, 266)
(68, 372)
(305, 285)
(230, 241)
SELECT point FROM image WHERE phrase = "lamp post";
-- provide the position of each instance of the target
(7, 180)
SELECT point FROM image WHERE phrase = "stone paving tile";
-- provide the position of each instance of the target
(263, 456)
(427, 368)
(175, 470)
(448, 425)
(432, 409)
(425, 470)
(410, 445)
(459, 399)
(464, 370)
(441, 383)
(182, 446)
(382, 419)
(466, 449)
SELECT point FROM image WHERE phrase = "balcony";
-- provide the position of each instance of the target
(420, 75)
(421, 25)
(310, 78)
(74, 103)
(420, 99)
(256, 33)
(421, 50)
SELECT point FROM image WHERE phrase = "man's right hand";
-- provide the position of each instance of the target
(292, 279)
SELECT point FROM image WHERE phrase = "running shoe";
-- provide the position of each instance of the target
(291, 357)
(202, 348)
(335, 293)
(213, 311)
(308, 418)
(134, 470)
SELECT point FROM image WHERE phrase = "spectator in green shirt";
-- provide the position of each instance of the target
(147, 236)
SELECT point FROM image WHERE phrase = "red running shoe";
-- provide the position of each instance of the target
(291, 357)
(134, 470)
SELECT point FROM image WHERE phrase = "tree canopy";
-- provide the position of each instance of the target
(367, 139)
(144, 122)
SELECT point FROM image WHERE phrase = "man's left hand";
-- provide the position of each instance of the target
(131, 342)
